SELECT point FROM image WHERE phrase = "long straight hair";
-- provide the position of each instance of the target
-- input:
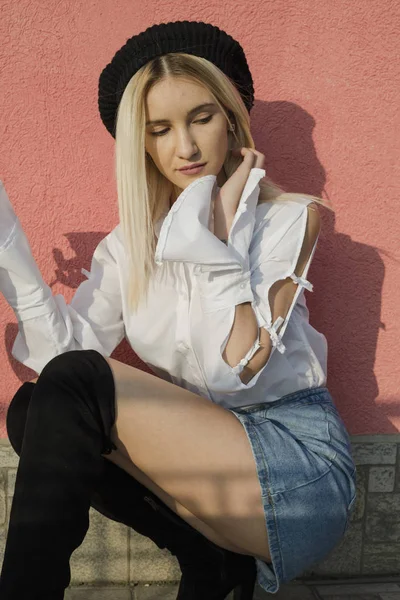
(144, 193)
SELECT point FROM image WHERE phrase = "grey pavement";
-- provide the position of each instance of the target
(291, 591)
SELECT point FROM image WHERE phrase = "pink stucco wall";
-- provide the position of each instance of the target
(326, 113)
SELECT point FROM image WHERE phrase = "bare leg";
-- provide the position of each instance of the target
(196, 451)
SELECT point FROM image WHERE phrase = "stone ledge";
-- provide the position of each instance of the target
(169, 591)
(113, 554)
(347, 591)
(377, 438)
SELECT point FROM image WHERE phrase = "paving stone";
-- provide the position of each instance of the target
(345, 558)
(359, 507)
(287, 591)
(395, 596)
(397, 483)
(98, 593)
(381, 558)
(3, 533)
(103, 556)
(156, 592)
(355, 589)
(3, 505)
(383, 518)
(374, 454)
(383, 503)
(382, 529)
(381, 479)
(11, 477)
(168, 592)
(8, 458)
(353, 597)
(150, 563)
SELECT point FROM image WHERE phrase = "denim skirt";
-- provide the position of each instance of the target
(307, 478)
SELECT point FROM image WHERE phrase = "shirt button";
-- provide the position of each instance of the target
(242, 285)
(197, 269)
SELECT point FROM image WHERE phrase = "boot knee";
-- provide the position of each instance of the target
(76, 366)
(89, 380)
(16, 415)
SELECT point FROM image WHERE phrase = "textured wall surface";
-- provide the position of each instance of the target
(326, 113)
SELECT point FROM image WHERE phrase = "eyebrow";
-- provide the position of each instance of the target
(191, 112)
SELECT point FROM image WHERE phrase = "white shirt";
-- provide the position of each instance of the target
(182, 331)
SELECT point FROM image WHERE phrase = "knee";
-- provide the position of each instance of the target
(72, 366)
(63, 380)
(16, 415)
(78, 370)
(65, 364)
(87, 379)
(77, 381)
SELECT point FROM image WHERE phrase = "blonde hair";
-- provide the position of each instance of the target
(144, 193)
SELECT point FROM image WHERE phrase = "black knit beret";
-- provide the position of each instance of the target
(191, 37)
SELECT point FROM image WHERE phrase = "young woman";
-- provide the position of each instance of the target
(233, 454)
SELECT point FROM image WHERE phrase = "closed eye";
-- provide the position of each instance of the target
(164, 131)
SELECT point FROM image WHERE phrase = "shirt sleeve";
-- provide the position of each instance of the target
(222, 269)
(279, 256)
(225, 277)
(48, 325)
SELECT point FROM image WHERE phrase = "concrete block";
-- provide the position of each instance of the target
(381, 479)
(156, 592)
(3, 537)
(374, 454)
(383, 518)
(381, 529)
(3, 505)
(169, 592)
(149, 562)
(103, 556)
(11, 477)
(359, 508)
(354, 590)
(397, 483)
(388, 504)
(381, 559)
(97, 593)
(345, 558)
(8, 458)
(287, 591)
(358, 597)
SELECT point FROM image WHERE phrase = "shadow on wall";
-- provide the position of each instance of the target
(347, 275)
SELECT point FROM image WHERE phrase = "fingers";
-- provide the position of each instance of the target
(251, 158)
(260, 159)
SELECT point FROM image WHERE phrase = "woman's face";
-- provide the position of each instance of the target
(182, 139)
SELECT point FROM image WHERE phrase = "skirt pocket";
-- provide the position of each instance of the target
(295, 440)
(343, 460)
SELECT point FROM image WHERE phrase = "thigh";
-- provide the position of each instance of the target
(196, 451)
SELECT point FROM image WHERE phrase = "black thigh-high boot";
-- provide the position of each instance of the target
(68, 426)
(206, 568)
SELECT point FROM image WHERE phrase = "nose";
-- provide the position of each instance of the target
(186, 146)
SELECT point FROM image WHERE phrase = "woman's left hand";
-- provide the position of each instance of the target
(227, 200)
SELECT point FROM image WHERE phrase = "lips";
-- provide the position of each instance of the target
(192, 167)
